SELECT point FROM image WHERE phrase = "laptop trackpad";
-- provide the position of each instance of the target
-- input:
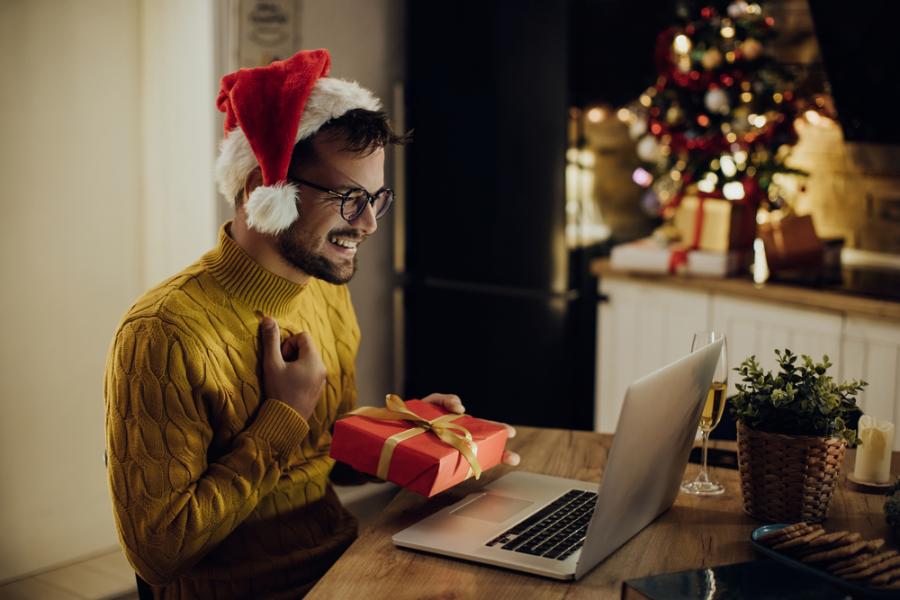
(491, 507)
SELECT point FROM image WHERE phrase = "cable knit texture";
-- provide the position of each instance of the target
(219, 491)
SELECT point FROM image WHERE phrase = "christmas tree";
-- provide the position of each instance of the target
(719, 120)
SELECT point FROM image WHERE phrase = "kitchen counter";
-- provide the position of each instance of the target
(867, 293)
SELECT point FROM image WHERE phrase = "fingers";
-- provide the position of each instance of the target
(270, 337)
(297, 345)
(511, 458)
(510, 430)
(450, 402)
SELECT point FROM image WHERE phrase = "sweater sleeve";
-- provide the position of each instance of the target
(171, 505)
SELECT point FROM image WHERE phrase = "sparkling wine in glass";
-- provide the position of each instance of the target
(712, 413)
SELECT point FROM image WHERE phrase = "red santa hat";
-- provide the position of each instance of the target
(267, 111)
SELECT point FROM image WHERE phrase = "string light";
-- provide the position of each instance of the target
(777, 97)
(733, 190)
(645, 100)
(746, 97)
(642, 177)
(729, 169)
(624, 115)
(682, 44)
(595, 115)
(727, 32)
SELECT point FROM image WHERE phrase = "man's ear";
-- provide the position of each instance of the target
(254, 180)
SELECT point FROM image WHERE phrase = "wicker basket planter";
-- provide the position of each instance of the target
(787, 478)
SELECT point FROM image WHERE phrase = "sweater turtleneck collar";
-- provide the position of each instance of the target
(246, 279)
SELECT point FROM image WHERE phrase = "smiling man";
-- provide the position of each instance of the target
(223, 382)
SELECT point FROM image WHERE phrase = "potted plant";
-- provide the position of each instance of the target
(792, 430)
(892, 509)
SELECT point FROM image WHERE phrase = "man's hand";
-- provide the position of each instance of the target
(452, 403)
(293, 371)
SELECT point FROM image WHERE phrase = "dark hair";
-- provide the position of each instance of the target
(364, 131)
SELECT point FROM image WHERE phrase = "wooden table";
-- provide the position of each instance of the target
(694, 533)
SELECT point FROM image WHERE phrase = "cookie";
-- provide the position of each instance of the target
(799, 541)
(793, 534)
(826, 540)
(885, 577)
(877, 563)
(778, 533)
(847, 539)
(843, 551)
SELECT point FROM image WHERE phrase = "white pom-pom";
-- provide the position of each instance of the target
(272, 208)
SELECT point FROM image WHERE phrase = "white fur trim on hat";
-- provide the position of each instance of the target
(272, 208)
(329, 99)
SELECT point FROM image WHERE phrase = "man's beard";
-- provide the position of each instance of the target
(304, 258)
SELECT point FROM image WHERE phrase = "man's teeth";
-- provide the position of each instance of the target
(344, 243)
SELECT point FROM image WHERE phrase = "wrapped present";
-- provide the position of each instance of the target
(649, 256)
(716, 224)
(792, 243)
(417, 445)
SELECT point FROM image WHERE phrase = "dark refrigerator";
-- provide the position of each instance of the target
(496, 307)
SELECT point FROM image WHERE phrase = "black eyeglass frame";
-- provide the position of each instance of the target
(345, 197)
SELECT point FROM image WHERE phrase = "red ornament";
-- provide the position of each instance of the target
(770, 21)
(702, 120)
(695, 75)
(727, 80)
(656, 129)
(707, 12)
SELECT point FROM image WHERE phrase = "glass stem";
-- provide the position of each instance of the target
(704, 474)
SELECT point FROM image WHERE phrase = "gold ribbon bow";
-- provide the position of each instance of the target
(450, 433)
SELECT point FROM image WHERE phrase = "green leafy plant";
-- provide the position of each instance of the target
(802, 399)
(892, 508)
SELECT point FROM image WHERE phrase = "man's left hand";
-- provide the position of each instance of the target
(452, 403)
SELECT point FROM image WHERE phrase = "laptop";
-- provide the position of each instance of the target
(562, 528)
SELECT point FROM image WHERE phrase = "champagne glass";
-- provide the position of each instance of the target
(712, 413)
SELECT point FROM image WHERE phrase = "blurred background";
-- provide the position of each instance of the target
(531, 160)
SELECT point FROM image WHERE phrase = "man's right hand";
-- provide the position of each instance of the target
(293, 371)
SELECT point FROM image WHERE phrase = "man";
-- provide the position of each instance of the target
(223, 382)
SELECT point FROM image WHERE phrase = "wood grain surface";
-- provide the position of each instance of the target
(694, 533)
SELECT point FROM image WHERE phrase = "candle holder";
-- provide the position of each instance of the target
(866, 487)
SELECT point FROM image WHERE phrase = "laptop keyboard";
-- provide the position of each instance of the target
(555, 531)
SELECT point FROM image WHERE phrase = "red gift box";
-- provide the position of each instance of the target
(419, 461)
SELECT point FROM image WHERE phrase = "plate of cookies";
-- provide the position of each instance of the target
(865, 567)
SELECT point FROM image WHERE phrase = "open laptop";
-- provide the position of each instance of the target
(562, 528)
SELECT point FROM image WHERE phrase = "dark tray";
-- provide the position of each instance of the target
(856, 590)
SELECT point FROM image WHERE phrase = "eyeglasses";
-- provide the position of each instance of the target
(354, 201)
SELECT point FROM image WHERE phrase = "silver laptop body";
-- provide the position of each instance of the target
(650, 450)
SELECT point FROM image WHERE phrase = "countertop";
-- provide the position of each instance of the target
(855, 295)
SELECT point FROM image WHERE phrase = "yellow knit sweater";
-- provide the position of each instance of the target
(217, 490)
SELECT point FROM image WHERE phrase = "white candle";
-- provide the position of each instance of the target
(873, 457)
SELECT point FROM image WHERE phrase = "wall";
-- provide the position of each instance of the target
(100, 199)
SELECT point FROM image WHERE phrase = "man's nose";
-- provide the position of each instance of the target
(366, 221)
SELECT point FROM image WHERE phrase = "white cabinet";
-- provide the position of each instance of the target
(642, 328)
(647, 324)
(759, 328)
(871, 352)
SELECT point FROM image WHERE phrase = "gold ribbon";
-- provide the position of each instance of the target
(448, 432)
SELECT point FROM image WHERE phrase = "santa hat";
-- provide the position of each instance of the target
(267, 111)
